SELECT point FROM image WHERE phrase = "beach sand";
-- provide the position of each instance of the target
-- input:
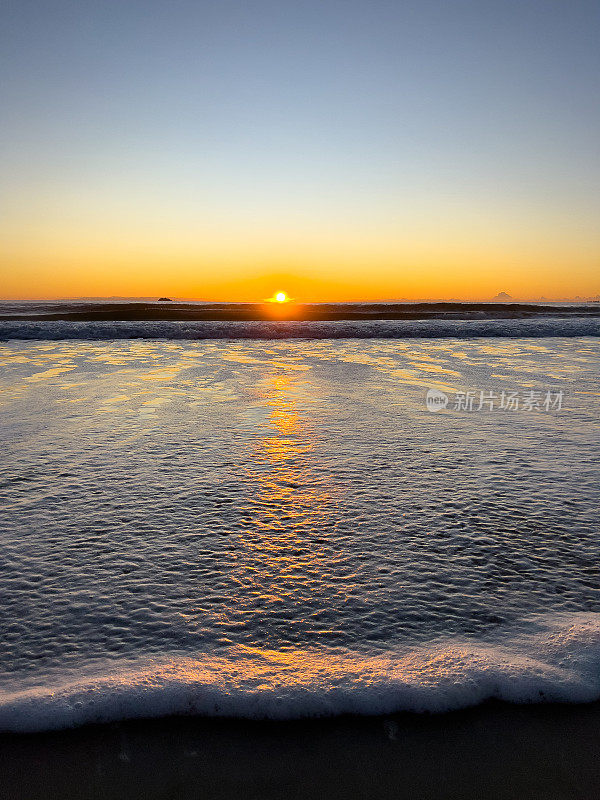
(493, 751)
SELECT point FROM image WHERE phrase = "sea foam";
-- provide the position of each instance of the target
(546, 658)
(53, 330)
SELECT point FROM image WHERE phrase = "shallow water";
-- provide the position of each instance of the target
(282, 527)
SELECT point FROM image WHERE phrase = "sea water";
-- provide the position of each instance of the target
(280, 527)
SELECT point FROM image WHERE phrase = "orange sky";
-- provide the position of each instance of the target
(356, 266)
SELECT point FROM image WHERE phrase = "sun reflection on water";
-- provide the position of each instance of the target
(283, 458)
(285, 549)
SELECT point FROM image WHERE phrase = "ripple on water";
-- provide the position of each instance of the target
(286, 496)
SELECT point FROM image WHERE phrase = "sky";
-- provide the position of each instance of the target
(362, 149)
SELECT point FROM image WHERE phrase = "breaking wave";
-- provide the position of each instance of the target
(52, 330)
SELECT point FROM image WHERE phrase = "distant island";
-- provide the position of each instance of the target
(164, 300)
(502, 297)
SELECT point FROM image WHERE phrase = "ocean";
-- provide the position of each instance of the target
(367, 509)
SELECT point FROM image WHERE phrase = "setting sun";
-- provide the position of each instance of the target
(281, 297)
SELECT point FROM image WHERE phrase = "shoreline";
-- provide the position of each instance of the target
(494, 751)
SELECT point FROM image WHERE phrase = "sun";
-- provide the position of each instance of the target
(279, 298)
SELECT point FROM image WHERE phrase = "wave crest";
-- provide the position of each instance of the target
(354, 329)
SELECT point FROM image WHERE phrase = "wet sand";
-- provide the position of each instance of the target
(491, 752)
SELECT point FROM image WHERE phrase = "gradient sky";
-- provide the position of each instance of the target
(336, 150)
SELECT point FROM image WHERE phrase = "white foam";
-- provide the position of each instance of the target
(550, 658)
(354, 329)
